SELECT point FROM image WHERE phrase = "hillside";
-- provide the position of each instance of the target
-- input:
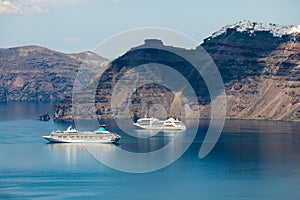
(34, 73)
(259, 64)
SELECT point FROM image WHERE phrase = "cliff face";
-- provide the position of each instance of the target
(146, 97)
(260, 69)
(259, 64)
(261, 73)
(33, 73)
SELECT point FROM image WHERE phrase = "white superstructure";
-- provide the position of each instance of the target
(156, 124)
(73, 136)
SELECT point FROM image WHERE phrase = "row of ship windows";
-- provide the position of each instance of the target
(78, 137)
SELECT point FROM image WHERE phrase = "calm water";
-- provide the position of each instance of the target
(252, 160)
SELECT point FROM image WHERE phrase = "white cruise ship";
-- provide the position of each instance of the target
(156, 124)
(71, 135)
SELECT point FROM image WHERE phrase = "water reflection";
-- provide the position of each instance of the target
(16, 110)
(143, 155)
(258, 149)
(257, 156)
(76, 154)
(260, 126)
(143, 141)
(68, 153)
(144, 133)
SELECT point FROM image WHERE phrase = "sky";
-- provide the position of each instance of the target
(78, 25)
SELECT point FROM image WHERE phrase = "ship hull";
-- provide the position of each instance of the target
(158, 127)
(73, 140)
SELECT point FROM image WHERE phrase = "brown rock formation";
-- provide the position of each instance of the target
(33, 73)
(265, 70)
(260, 68)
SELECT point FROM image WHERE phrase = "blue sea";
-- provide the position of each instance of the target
(252, 160)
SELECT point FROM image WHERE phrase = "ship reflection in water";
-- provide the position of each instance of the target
(252, 159)
(170, 144)
(75, 153)
(138, 155)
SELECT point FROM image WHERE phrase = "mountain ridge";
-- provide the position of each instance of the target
(34, 73)
(261, 72)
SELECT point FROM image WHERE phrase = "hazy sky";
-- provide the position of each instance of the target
(77, 25)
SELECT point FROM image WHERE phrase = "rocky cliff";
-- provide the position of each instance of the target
(33, 73)
(259, 64)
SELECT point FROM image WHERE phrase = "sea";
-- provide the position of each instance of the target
(251, 160)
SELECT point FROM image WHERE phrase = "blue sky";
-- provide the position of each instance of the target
(77, 25)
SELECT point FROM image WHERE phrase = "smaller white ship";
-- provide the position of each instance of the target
(71, 135)
(156, 124)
